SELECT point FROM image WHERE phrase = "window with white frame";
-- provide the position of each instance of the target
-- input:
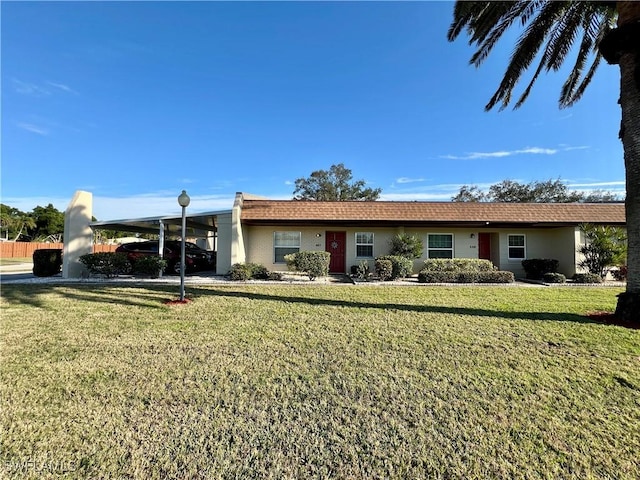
(440, 245)
(517, 247)
(285, 243)
(364, 244)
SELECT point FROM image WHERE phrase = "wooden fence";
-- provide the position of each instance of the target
(25, 249)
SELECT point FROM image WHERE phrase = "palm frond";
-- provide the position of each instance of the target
(526, 50)
(552, 27)
(487, 42)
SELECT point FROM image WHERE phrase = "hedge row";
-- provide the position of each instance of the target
(241, 272)
(458, 265)
(494, 276)
(536, 268)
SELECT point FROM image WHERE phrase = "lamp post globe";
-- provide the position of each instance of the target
(183, 201)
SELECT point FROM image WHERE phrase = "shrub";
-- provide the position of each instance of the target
(587, 278)
(47, 262)
(604, 247)
(401, 267)
(554, 278)
(458, 265)
(535, 268)
(257, 271)
(314, 263)
(109, 264)
(431, 276)
(407, 246)
(149, 265)
(384, 269)
(493, 276)
(363, 270)
(239, 272)
(496, 276)
(277, 276)
(620, 273)
(467, 277)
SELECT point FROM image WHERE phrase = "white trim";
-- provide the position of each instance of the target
(509, 247)
(372, 244)
(453, 244)
(275, 259)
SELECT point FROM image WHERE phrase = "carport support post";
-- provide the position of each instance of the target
(161, 243)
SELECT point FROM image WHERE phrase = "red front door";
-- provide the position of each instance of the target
(335, 244)
(484, 246)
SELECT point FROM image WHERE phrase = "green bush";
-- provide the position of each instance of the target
(384, 269)
(151, 265)
(401, 267)
(493, 276)
(587, 278)
(554, 278)
(620, 273)
(109, 264)
(276, 276)
(239, 272)
(468, 277)
(535, 268)
(430, 276)
(407, 246)
(257, 271)
(314, 263)
(47, 262)
(361, 271)
(458, 265)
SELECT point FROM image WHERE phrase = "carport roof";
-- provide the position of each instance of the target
(196, 222)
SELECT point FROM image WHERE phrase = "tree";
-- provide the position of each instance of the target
(15, 222)
(49, 223)
(605, 246)
(609, 30)
(469, 193)
(333, 185)
(407, 246)
(548, 191)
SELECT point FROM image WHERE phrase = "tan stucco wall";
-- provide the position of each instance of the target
(78, 236)
(259, 243)
(555, 243)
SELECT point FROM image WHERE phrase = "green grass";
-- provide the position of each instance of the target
(15, 260)
(283, 381)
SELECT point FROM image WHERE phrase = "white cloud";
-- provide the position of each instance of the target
(63, 87)
(26, 88)
(33, 128)
(409, 180)
(503, 153)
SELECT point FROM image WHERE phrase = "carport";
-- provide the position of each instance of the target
(207, 228)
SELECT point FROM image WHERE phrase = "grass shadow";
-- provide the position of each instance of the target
(455, 310)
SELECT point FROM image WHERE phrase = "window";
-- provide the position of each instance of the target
(285, 243)
(517, 247)
(364, 244)
(440, 245)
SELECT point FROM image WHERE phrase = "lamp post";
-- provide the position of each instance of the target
(183, 200)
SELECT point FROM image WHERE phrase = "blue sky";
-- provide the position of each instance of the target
(135, 102)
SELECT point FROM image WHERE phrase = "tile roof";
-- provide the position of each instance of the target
(291, 211)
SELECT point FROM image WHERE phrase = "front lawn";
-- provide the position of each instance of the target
(285, 381)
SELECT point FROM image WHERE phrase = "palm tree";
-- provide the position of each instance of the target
(555, 29)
